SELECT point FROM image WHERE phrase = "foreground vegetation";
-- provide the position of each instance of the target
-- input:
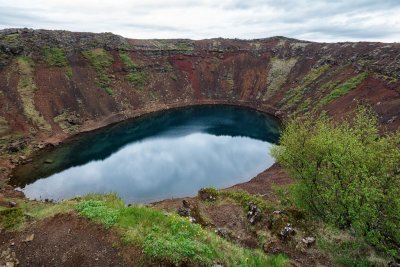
(162, 237)
(346, 174)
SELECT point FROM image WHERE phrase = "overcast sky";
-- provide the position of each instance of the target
(315, 20)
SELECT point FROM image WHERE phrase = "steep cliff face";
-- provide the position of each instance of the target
(58, 83)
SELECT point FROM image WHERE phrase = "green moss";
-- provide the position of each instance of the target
(181, 45)
(55, 57)
(3, 125)
(12, 40)
(168, 67)
(68, 72)
(109, 91)
(184, 46)
(388, 79)
(26, 89)
(329, 85)
(278, 74)
(127, 61)
(135, 76)
(304, 106)
(64, 121)
(343, 89)
(138, 78)
(295, 95)
(101, 61)
(241, 197)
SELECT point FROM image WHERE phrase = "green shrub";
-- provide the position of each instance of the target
(55, 57)
(347, 174)
(11, 218)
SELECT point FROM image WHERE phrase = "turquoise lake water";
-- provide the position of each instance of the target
(168, 154)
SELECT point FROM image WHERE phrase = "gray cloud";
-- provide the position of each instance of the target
(322, 20)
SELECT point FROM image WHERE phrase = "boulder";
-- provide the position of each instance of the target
(254, 213)
(287, 232)
(184, 212)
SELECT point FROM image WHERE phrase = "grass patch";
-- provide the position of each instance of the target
(329, 86)
(99, 211)
(135, 76)
(55, 57)
(11, 38)
(27, 88)
(168, 237)
(68, 121)
(127, 61)
(181, 45)
(295, 95)
(17, 218)
(11, 218)
(68, 72)
(42, 210)
(3, 125)
(139, 78)
(347, 250)
(343, 89)
(101, 61)
(277, 75)
(241, 197)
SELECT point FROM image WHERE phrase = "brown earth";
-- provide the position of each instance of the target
(263, 74)
(231, 217)
(63, 240)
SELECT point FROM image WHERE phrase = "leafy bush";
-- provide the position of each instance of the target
(347, 174)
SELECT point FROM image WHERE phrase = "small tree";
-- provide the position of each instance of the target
(347, 174)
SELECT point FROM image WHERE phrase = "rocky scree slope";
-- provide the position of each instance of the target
(54, 84)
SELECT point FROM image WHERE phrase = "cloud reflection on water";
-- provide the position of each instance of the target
(157, 168)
